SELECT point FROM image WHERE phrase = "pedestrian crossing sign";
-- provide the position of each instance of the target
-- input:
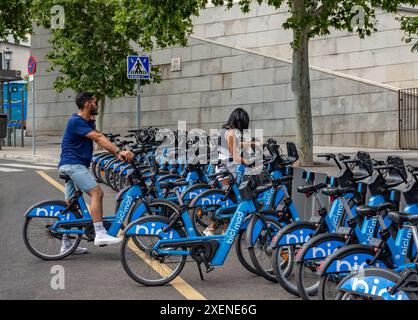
(138, 67)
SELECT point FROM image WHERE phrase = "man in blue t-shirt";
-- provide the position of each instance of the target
(76, 155)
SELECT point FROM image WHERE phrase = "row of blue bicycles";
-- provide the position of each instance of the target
(360, 242)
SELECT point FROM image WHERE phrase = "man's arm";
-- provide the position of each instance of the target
(102, 141)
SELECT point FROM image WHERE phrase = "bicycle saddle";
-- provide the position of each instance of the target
(282, 180)
(222, 172)
(65, 177)
(263, 188)
(360, 175)
(173, 184)
(365, 166)
(337, 192)
(311, 189)
(394, 177)
(401, 217)
(371, 211)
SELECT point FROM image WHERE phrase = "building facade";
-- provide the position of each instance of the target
(237, 60)
(19, 54)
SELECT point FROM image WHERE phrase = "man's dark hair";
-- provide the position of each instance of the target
(82, 98)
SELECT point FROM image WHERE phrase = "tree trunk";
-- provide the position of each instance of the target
(301, 88)
(99, 123)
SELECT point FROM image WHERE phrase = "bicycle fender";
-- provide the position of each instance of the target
(151, 225)
(193, 191)
(211, 197)
(169, 177)
(297, 232)
(374, 283)
(350, 258)
(48, 209)
(321, 246)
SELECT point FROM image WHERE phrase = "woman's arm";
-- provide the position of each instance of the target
(246, 144)
(234, 149)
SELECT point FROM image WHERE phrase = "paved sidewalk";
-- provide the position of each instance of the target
(48, 151)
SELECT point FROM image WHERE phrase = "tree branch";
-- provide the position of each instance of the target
(318, 11)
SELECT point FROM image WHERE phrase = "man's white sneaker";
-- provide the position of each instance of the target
(209, 232)
(80, 250)
(103, 239)
(67, 245)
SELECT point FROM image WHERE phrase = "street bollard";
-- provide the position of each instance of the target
(14, 136)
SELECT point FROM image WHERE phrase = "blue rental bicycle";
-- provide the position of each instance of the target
(360, 229)
(47, 222)
(384, 284)
(299, 232)
(391, 248)
(155, 248)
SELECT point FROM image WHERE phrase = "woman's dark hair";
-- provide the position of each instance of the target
(82, 98)
(239, 119)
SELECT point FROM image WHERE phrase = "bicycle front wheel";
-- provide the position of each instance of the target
(146, 267)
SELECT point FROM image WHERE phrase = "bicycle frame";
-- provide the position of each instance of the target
(399, 247)
(225, 241)
(133, 194)
(375, 282)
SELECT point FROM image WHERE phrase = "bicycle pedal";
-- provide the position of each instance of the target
(209, 269)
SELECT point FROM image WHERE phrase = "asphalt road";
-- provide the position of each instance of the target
(99, 274)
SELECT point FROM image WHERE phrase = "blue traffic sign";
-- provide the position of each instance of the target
(139, 67)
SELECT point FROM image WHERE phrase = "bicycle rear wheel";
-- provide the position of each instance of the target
(261, 252)
(328, 286)
(285, 276)
(43, 242)
(242, 252)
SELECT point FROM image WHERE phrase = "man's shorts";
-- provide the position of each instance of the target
(80, 176)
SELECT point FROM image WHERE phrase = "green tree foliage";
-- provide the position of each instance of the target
(90, 50)
(410, 25)
(15, 19)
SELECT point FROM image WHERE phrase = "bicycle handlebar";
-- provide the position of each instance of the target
(357, 162)
(392, 167)
(329, 156)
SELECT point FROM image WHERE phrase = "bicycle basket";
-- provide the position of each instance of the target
(260, 179)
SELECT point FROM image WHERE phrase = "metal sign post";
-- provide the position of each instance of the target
(138, 103)
(9, 115)
(138, 68)
(33, 117)
(22, 119)
(32, 71)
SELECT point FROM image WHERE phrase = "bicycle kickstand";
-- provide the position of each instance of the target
(200, 271)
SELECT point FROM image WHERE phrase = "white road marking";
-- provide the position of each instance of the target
(9, 170)
(27, 166)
